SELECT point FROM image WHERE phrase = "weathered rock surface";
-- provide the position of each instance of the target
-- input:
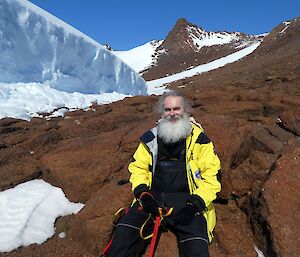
(275, 207)
(282, 204)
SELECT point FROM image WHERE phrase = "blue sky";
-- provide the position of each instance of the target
(125, 24)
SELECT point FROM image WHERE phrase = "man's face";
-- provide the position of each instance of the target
(173, 108)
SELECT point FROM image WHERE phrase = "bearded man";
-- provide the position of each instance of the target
(174, 166)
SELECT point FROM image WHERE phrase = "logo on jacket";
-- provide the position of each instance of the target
(197, 174)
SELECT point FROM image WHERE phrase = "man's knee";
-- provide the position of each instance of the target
(193, 247)
(126, 241)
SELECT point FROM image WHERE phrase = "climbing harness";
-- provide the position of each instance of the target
(162, 213)
(157, 222)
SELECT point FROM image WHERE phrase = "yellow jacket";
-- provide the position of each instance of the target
(202, 167)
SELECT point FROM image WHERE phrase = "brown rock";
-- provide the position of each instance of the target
(291, 120)
(257, 155)
(92, 227)
(233, 236)
(18, 171)
(281, 209)
(63, 166)
(241, 245)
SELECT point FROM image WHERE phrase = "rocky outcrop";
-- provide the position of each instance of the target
(273, 210)
(87, 153)
(290, 120)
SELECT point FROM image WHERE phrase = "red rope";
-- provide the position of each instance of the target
(106, 248)
(154, 237)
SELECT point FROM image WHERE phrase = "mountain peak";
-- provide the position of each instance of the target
(181, 22)
(176, 40)
(188, 45)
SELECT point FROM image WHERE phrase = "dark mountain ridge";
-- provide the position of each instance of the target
(188, 45)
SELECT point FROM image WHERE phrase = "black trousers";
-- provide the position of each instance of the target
(192, 239)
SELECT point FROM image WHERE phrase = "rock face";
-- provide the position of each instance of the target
(275, 206)
(249, 109)
(281, 193)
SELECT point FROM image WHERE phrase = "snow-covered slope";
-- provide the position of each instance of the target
(199, 38)
(157, 86)
(35, 46)
(142, 57)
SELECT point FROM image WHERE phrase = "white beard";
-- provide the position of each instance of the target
(172, 132)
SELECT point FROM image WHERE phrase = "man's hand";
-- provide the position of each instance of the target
(149, 204)
(185, 215)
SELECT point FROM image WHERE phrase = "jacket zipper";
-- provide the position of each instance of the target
(193, 183)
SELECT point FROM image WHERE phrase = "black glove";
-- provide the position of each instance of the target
(185, 215)
(149, 204)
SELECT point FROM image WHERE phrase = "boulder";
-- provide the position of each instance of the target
(281, 209)
(290, 120)
(230, 239)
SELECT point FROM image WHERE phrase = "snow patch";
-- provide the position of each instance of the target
(27, 100)
(28, 212)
